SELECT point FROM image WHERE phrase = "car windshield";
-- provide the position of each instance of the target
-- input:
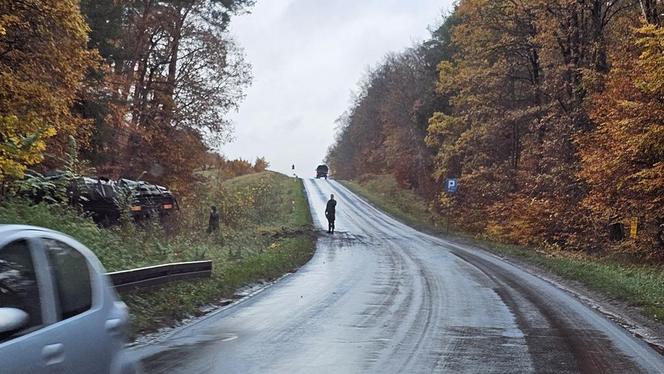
(347, 186)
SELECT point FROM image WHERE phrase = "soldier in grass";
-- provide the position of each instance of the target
(213, 223)
(330, 212)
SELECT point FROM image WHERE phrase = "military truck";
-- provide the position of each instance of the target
(148, 200)
(97, 196)
(321, 171)
(104, 199)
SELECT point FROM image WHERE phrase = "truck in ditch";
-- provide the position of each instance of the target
(148, 200)
(102, 198)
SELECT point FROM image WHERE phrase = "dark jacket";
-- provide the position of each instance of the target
(213, 224)
(330, 210)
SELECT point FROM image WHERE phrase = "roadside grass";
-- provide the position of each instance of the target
(116, 248)
(384, 192)
(265, 233)
(166, 305)
(270, 237)
(639, 285)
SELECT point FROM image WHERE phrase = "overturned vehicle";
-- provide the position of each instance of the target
(105, 199)
(97, 196)
(148, 200)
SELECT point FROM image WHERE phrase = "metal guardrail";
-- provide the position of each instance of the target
(126, 280)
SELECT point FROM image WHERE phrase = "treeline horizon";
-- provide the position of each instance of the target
(549, 113)
(142, 86)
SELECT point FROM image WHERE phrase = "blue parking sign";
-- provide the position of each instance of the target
(451, 185)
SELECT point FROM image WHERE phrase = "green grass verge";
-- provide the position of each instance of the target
(164, 306)
(265, 232)
(255, 252)
(640, 285)
(384, 192)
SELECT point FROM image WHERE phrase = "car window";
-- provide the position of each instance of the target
(18, 285)
(72, 278)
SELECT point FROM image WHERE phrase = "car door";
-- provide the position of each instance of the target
(79, 300)
(25, 284)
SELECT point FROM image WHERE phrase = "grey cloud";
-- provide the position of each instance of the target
(308, 55)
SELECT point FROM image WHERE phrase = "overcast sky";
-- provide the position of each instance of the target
(307, 57)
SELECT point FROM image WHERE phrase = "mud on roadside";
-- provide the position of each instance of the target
(628, 316)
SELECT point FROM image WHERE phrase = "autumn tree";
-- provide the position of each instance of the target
(383, 132)
(43, 60)
(341, 154)
(261, 164)
(519, 87)
(494, 83)
(623, 158)
(548, 113)
(172, 73)
(652, 11)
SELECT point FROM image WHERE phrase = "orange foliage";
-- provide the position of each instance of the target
(623, 158)
(549, 113)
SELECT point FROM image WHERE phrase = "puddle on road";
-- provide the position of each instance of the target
(170, 359)
(348, 239)
(180, 350)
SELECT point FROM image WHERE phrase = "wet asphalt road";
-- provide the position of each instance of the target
(380, 297)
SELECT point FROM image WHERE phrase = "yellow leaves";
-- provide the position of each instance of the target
(7, 21)
(21, 145)
(443, 128)
(651, 39)
(622, 159)
(43, 59)
(447, 74)
(50, 131)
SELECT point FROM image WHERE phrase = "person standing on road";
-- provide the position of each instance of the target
(330, 212)
(213, 223)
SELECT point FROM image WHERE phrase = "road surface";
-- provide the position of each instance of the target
(381, 297)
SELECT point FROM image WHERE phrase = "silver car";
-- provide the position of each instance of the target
(58, 311)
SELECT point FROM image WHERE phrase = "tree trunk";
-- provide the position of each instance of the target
(598, 43)
(650, 11)
(180, 15)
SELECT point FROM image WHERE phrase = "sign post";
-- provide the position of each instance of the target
(451, 187)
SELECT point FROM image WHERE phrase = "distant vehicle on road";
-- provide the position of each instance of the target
(321, 171)
(58, 311)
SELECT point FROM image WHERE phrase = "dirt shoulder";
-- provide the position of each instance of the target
(629, 316)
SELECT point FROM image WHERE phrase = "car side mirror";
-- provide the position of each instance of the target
(12, 319)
